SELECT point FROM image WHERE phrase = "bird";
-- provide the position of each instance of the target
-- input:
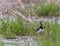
(40, 29)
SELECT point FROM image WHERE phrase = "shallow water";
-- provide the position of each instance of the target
(20, 41)
(45, 19)
(33, 18)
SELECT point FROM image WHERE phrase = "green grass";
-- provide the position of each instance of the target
(10, 29)
(52, 39)
(47, 9)
(44, 9)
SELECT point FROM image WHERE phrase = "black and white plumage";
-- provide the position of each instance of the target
(40, 29)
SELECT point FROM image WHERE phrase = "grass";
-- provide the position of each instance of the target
(47, 9)
(52, 39)
(44, 9)
(10, 29)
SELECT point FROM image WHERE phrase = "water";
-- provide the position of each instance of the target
(45, 19)
(20, 41)
(33, 18)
